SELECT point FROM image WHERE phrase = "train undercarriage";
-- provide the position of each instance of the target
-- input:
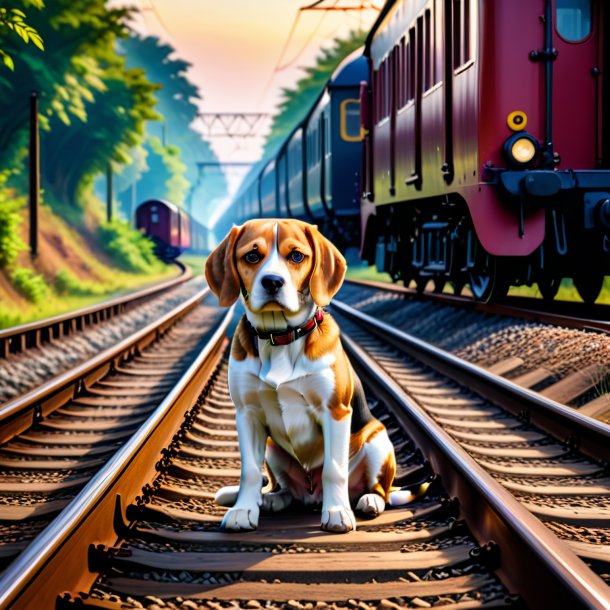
(436, 241)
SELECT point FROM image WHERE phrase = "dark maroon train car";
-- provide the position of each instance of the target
(487, 149)
(162, 222)
(185, 230)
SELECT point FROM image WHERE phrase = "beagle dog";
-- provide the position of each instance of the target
(299, 404)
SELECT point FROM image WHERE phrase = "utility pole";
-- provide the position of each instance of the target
(34, 174)
(109, 192)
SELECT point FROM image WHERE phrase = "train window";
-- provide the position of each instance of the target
(427, 51)
(466, 31)
(437, 60)
(573, 19)
(154, 218)
(461, 32)
(411, 52)
(350, 120)
(384, 84)
(402, 73)
(457, 34)
(386, 87)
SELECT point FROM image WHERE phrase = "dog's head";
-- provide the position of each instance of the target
(277, 264)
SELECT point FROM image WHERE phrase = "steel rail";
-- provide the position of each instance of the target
(21, 413)
(56, 561)
(589, 435)
(531, 560)
(571, 315)
(33, 334)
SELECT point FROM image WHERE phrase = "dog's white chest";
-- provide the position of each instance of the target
(290, 393)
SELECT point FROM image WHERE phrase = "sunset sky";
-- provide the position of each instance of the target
(235, 47)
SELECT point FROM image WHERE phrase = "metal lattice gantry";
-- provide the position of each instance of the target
(233, 124)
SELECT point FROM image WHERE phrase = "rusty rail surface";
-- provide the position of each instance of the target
(34, 334)
(590, 436)
(559, 313)
(20, 414)
(53, 563)
(531, 560)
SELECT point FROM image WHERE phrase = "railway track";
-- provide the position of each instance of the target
(550, 457)
(562, 313)
(563, 357)
(56, 437)
(152, 538)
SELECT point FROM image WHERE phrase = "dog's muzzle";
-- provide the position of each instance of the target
(272, 283)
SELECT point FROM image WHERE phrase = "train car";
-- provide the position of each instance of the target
(171, 229)
(487, 153)
(314, 175)
(160, 221)
(333, 150)
(184, 223)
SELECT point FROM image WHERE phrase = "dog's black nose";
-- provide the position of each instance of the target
(272, 283)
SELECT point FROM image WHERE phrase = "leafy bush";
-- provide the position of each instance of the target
(31, 284)
(128, 247)
(67, 283)
(10, 222)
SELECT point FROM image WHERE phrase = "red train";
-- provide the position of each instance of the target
(172, 230)
(487, 152)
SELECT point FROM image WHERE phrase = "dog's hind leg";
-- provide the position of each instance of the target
(275, 501)
(380, 468)
(227, 496)
(371, 505)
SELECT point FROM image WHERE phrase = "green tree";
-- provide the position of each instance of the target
(12, 21)
(91, 105)
(177, 103)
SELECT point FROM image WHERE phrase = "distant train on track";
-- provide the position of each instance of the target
(466, 144)
(171, 229)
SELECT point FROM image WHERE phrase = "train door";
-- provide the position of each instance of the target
(575, 69)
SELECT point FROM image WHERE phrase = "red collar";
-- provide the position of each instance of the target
(290, 335)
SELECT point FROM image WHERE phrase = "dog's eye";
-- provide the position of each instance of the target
(252, 257)
(296, 256)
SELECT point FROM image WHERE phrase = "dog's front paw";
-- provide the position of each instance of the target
(240, 519)
(370, 505)
(338, 520)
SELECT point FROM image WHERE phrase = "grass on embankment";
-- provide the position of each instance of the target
(195, 261)
(76, 267)
(567, 291)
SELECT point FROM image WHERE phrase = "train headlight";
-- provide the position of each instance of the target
(516, 120)
(521, 149)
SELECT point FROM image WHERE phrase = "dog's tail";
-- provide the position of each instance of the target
(227, 496)
(404, 495)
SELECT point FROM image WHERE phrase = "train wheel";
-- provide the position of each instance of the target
(548, 286)
(420, 284)
(589, 285)
(439, 284)
(457, 285)
(487, 280)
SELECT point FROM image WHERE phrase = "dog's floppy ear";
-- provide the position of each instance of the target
(221, 272)
(328, 267)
